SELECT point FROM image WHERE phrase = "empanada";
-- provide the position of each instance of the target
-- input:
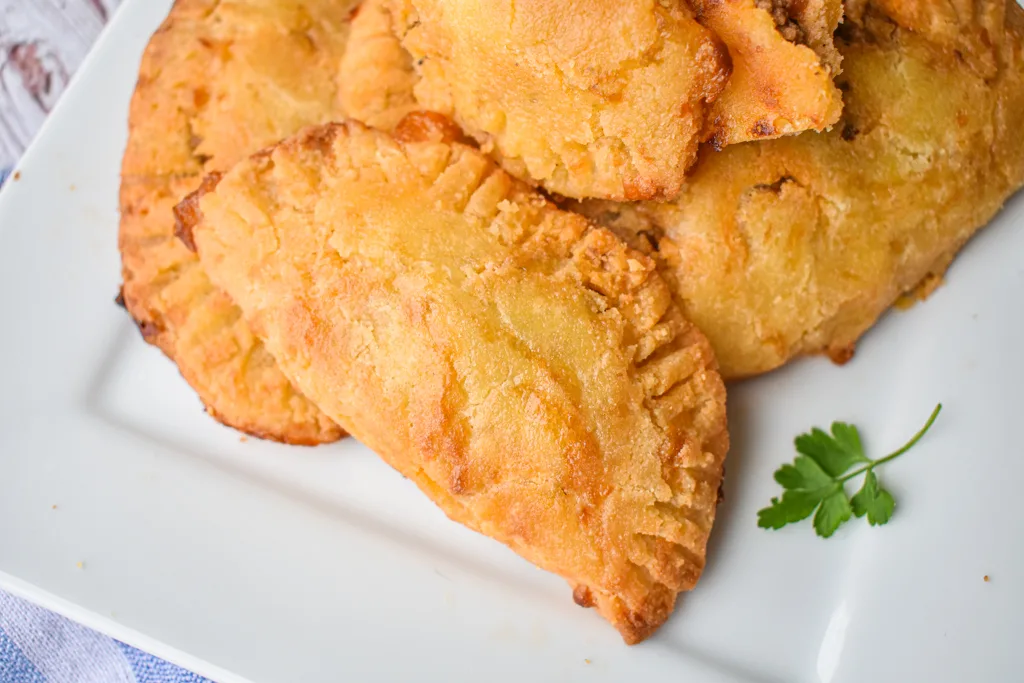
(527, 370)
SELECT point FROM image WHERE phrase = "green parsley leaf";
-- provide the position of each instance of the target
(792, 507)
(833, 511)
(804, 474)
(814, 482)
(873, 501)
(837, 452)
(848, 439)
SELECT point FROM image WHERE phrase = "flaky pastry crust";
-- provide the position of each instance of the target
(611, 99)
(527, 370)
(595, 98)
(798, 245)
(219, 80)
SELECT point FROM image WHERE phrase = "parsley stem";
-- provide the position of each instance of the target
(895, 454)
(917, 437)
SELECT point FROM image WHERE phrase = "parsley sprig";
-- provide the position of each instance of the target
(814, 482)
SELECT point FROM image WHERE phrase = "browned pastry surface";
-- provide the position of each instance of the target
(610, 99)
(526, 369)
(783, 65)
(597, 98)
(219, 80)
(798, 245)
(377, 76)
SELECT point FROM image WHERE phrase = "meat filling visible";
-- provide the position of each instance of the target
(781, 11)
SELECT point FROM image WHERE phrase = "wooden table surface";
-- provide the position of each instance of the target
(42, 42)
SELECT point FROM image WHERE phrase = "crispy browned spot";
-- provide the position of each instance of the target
(841, 355)
(638, 189)
(320, 138)
(428, 126)
(149, 329)
(581, 596)
(762, 129)
(187, 213)
(718, 138)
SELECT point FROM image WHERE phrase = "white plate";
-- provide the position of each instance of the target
(255, 561)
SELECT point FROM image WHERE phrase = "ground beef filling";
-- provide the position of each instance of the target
(784, 21)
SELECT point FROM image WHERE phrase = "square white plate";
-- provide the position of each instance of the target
(247, 560)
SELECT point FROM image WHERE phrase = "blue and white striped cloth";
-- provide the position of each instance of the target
(37, 646)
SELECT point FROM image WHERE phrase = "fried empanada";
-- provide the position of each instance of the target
(528, 371)
(798, 245)
(218, 81)
(974, 29)
(603, 98)
(611, 99)
(784, 61)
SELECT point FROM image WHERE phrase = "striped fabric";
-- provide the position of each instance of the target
(37, 646)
